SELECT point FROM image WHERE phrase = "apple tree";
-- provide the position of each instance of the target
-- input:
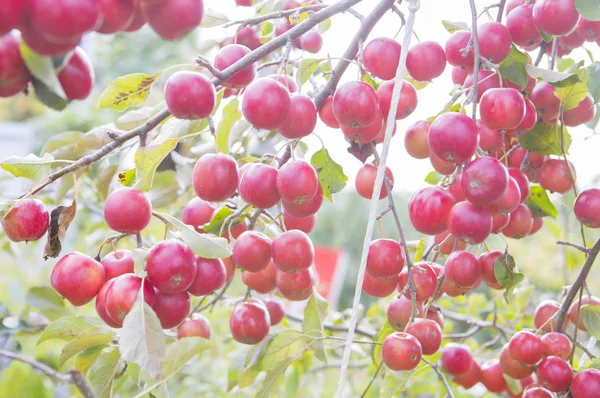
(182, 279)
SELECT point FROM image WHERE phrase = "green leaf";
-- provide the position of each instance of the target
(268, 6)
(367, 78)
(452, 27)
(92, 337)
(203, 245)
(314, 314)
(72, 145)
(68, 328)
(546, 36)
(416, 83)
(324, 26)
(539, 203)
(507, 274)
(572, 95)
(126, 91)
(546, 75)
(325, 67)
(569, 81)
(47, 97)
(6, 206)
(135, 118)
(544, 139)
(562, 64)
(147, 160)
(274, 374)
(593, 81)
(212, 18)
(127, 178)
(419, 251)
(31, 166)
(85, 359)
(514, 66)
(433, 178)
(589, 9)
(267, 28)
(591, 320)
(142, 340)
(42, 69)
(230, 115)
(513, 385)
(394, 382)
(285, 345)
(306, 68)
(385, 331)
(103, 180)
(178, 354)
(102, 373)
(47, 301)
(331, 175)
(219, 217)
(20, 380)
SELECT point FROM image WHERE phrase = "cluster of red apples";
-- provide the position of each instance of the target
(173, 272)
(55, 28)
(486, 191)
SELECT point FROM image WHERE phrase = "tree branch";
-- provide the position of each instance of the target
(440, 376)
(336, 328)
(274, 15)
(154, 121)
(579, 281)
(500, 10)
(409, 264)
(73, 377)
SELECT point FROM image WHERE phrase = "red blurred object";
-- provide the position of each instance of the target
(330, 265)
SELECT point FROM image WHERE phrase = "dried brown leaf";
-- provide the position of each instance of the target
(60, 220)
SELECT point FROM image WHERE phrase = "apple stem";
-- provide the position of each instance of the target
(370, 20)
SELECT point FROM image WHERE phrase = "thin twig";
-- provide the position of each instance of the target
(576, 326)
(335, 328)
(73, 377)
(364, 394)
(216, 299)
(500, 10)
(255, 218)
(205, 63)
(575, 245)
(274, 15)
(579, 281)
(570, 172)
(409, 264)
(139, 241)
(541, 53)
(440, 376)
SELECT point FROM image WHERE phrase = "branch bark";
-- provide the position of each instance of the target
(73, 377)
(578, 284)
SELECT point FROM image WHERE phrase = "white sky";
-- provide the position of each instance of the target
(409, 173)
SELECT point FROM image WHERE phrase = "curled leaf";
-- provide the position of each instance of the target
(60, 220)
